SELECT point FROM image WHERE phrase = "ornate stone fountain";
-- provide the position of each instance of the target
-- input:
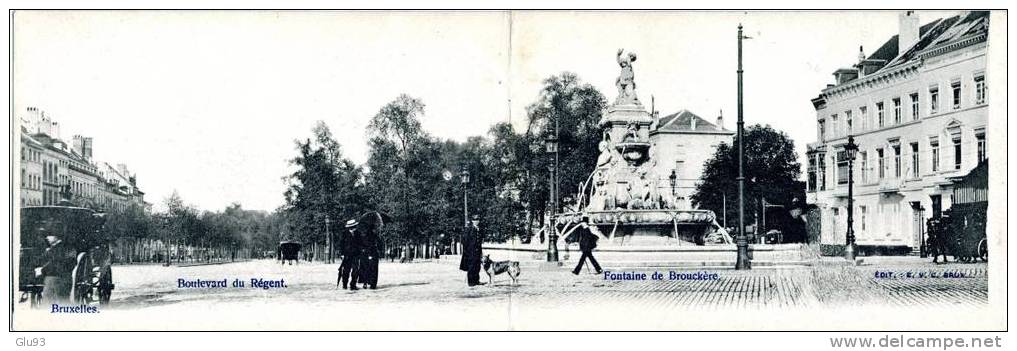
(621, 200)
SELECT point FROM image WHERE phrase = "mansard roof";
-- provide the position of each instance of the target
(681, 121)
(945, 32)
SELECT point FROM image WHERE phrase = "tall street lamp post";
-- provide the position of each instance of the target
(851, 149)
(743, 261)
(464, 179)
(552, 228)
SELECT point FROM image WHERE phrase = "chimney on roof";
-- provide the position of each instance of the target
(83, 146)
(909, 27)
(720, 119)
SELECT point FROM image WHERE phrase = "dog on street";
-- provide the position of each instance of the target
(493, 268)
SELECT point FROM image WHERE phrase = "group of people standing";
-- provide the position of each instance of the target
(360, 247)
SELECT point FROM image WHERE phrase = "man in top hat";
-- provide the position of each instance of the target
(587, 242)
(349, 247)
(472, 251)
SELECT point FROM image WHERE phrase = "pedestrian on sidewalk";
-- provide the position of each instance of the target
(349, 246)
(473, 251)
(369, 228)
(587, 242)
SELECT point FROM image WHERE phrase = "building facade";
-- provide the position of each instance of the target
(52, 169)
(917, 108)
(682, 143)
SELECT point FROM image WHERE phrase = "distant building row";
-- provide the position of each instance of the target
(52, 169)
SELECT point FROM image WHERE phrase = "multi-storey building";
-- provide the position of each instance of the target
(51, 169)
(917, 110)
(682, 143)
(31, 171)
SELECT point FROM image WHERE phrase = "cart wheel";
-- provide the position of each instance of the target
(983, 250)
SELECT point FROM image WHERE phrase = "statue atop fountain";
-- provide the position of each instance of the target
(626, 81)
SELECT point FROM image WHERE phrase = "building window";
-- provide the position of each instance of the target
(881, 163)
(850, 124)
(833, 126)
(864, 117)
(865, 166)
(980, 89)
(812, 173)
(861, 209)
(880, 113)
(896, 111)
(914, 106)
(821, 158)
(915, 169)
(933, 99)
(934, 143)
(842, 167)
(980, 137)
(957, 155)
(822, 130)
(896, 161)
(956, 88)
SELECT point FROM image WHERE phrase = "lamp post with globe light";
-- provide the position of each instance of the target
(552, 237)
(850, 150)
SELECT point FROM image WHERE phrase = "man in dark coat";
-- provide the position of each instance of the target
(349, 246)
(587, 242)
(371, 247)
(473, 252)
(58, 262)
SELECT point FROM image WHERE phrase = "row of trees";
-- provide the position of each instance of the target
(182, 233)
(417, 180)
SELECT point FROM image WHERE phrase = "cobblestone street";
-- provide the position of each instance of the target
(144, 286)
(438, 288)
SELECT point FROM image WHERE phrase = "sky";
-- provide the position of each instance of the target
(209, 103)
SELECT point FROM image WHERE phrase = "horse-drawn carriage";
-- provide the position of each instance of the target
(81, 229)
(960, 231)
(288, 251)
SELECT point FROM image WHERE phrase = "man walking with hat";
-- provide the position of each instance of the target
(472, 251)
(587, 242)
(349, 246)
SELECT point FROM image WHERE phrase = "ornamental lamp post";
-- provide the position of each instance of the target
(464, 179)
(850, 150)
(552, 237)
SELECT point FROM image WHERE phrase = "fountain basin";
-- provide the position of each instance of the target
(652, 227)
